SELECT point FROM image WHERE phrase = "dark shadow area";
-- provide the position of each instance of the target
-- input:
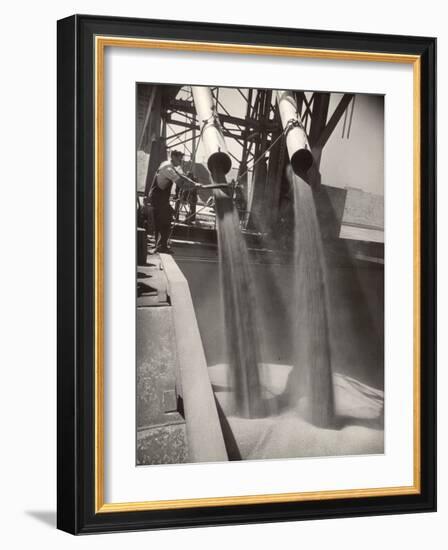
(180, 406)
(142, 275)
(48, 517)
(229, 439)
(217, 388)
(376, 423)
(143, 288)
(356, 297)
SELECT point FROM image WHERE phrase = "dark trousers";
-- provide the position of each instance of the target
(190, 197)
(162, 216)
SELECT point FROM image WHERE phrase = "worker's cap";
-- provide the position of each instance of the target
(176, 153)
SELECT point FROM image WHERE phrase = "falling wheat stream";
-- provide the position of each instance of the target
(310, 323)
(239, 310)
(312, 348)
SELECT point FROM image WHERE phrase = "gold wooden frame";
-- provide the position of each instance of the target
(101, 42)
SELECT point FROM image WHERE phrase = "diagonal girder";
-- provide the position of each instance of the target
(332, 123)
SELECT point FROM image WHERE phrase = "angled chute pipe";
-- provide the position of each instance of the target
(299, 150)
(218, 160)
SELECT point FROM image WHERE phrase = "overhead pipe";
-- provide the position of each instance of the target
(299, 150)
(218, 159)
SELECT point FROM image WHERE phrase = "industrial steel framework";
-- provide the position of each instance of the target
(168, 120)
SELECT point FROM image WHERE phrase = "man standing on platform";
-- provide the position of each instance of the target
(158, 199)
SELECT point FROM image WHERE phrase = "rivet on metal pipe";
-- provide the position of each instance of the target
(297, 144)
(218, 160)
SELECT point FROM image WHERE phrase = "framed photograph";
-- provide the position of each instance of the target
(246, 274)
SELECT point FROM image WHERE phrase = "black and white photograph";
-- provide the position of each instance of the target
(260, 274)
(223, 279)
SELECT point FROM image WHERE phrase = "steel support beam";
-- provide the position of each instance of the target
(333, 122)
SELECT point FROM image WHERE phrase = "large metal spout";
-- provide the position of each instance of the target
(297, 144)
(218, 160)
